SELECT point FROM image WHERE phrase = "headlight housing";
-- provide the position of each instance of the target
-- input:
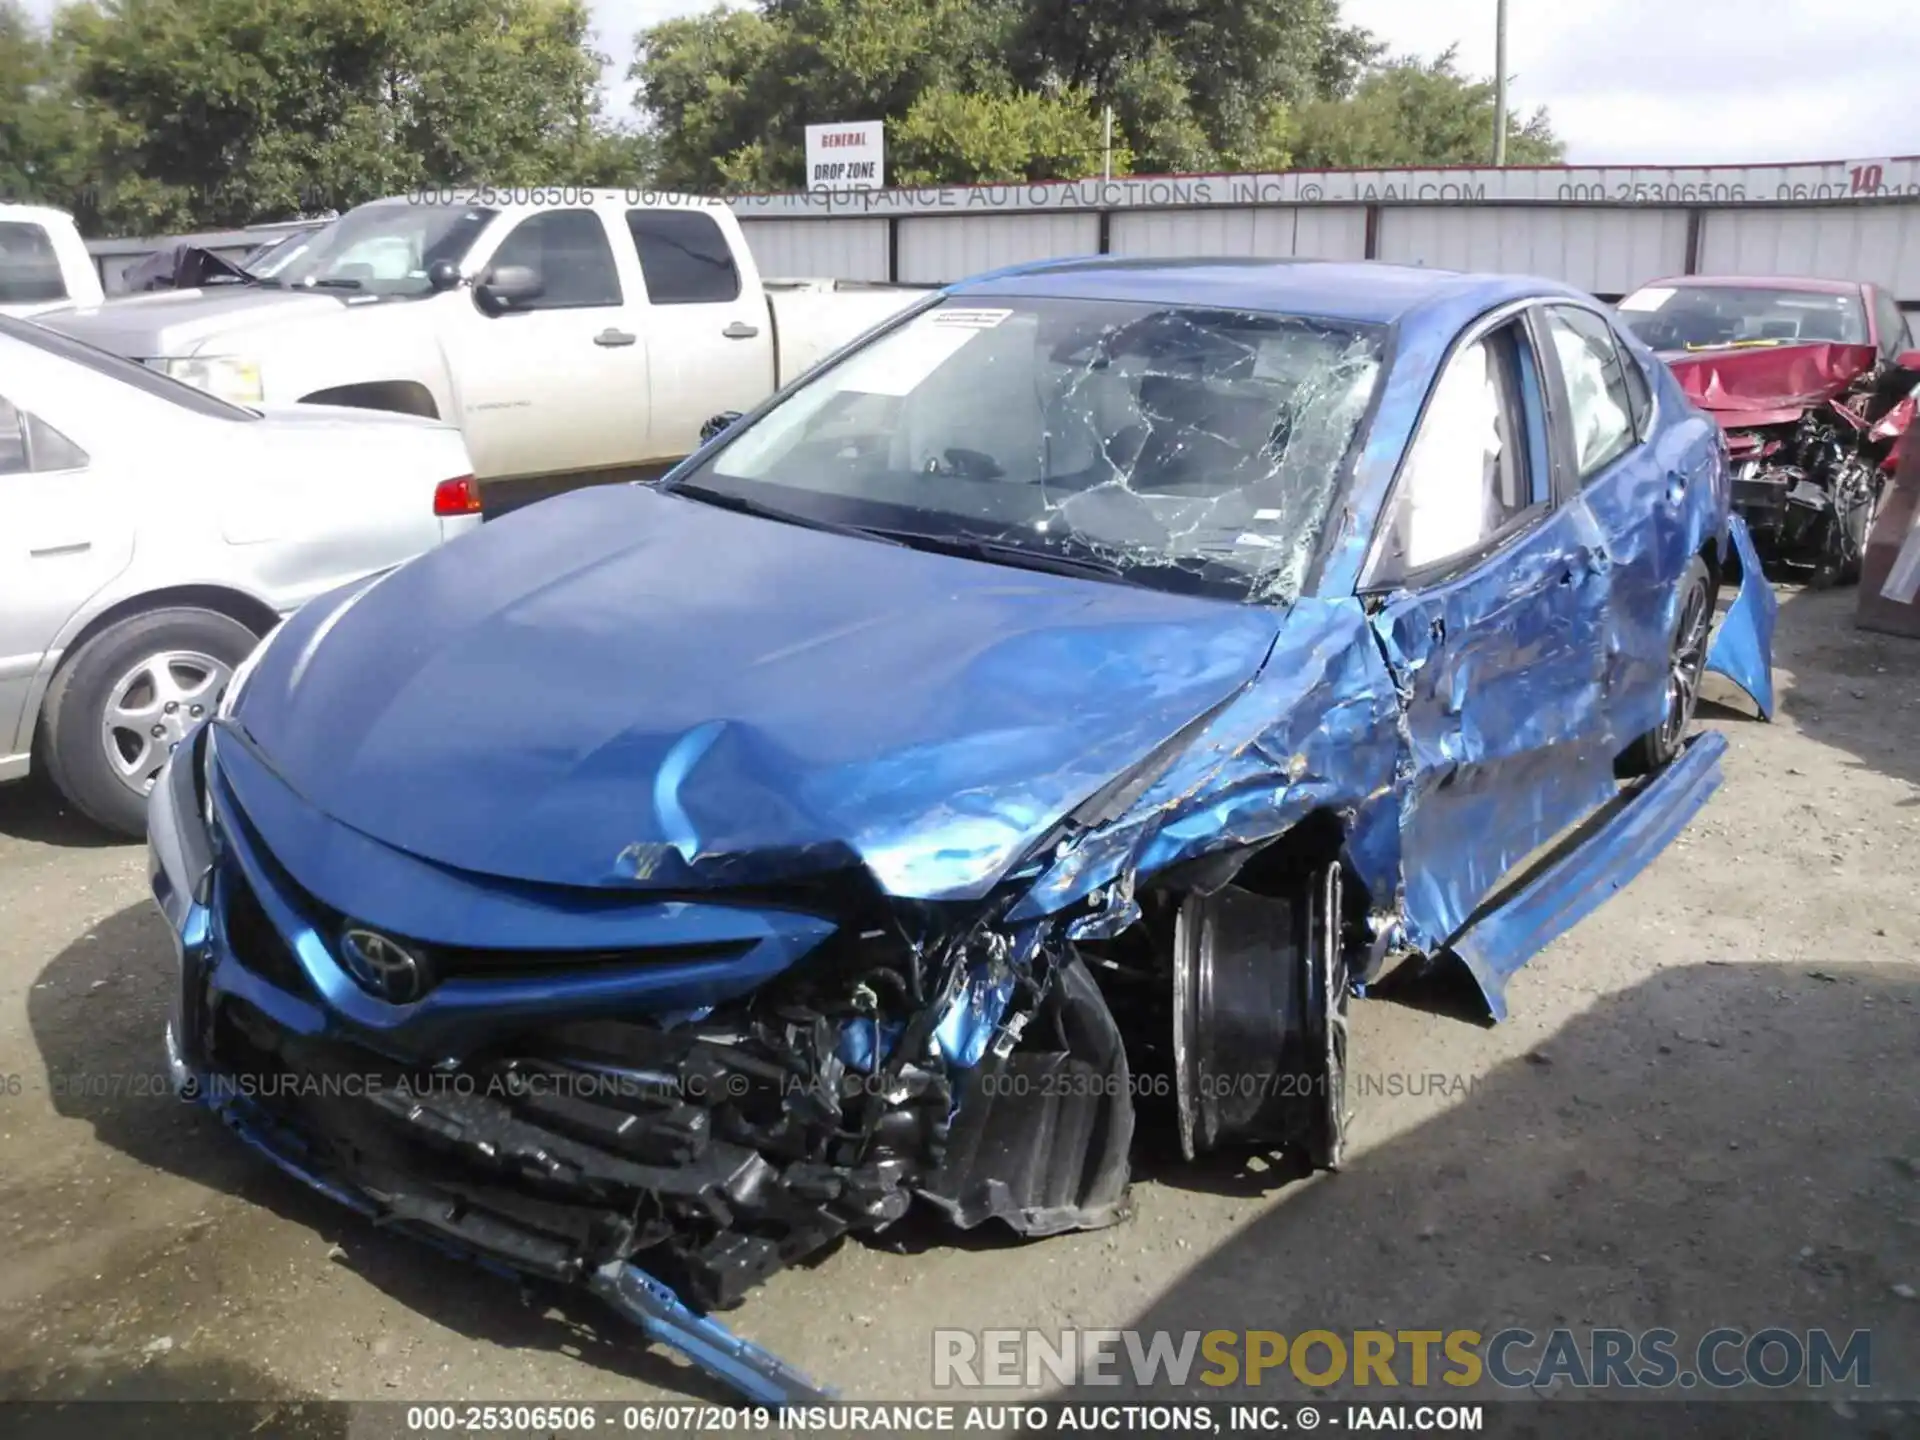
(232, 378)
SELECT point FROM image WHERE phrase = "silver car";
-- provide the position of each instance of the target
(150, 534)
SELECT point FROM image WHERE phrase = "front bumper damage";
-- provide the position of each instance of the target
(666, 1163)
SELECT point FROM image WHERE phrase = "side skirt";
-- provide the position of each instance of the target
(1605, 858)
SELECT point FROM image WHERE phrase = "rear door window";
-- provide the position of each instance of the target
(684, 256)
(29, 268)
(28, 444)
(1594, 374)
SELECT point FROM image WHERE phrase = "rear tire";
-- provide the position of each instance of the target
(1686, 663)
(120, 704)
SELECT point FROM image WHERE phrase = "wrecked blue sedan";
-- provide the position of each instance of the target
(1035, 723)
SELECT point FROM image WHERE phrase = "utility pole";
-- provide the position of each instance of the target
(1500, 82)
(1109, 139)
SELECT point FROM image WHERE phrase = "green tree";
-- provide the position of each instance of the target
(731, 92)
(965, 84)
(1021, 135)
(212, 112)
(44, 156)
(1411, 112)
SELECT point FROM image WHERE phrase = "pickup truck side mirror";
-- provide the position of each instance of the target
(443, 275)
(508, 285)
(718, 423)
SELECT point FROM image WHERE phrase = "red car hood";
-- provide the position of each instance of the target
(1767, 386)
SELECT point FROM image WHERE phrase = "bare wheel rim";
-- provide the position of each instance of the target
(151, 707)
(1688, 665)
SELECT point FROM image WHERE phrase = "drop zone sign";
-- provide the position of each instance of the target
(848, 156)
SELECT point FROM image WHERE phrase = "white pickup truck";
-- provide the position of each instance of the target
(44, 264)
(575, 336)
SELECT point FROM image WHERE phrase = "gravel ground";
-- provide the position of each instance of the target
(1702, 1112)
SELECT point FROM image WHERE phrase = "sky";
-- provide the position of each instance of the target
(1676, 82)
(1659, 82)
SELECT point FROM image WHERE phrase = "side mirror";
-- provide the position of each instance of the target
(1908, 360)
(718, 423)
(443, 275)
(508, 285)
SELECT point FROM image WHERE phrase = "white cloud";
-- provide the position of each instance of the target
(1688, 81)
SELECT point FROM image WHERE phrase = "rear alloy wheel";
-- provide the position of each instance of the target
(1686, 665)
(120, 706)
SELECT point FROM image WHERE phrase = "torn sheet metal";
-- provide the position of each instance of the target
(752, 1371)
(1742, 646)
(756, 1373)
(1316, 730)
(1740, 386)
(1608, 856)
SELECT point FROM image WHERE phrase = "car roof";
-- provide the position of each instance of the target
(37, 214)
(1805, 283)
(1366, 292)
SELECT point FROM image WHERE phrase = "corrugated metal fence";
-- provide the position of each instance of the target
(1604, 229)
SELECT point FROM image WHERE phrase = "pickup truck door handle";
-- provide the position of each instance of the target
(740, 330)
(614, 337)
(78, 547)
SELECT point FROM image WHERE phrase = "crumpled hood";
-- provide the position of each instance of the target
(178, 322)
(620, 687)
(1769, 379)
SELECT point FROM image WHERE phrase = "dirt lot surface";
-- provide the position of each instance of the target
(1703, 1112)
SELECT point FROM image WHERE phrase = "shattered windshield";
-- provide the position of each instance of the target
(1187, 449)
(379, 249)
(1713, 317)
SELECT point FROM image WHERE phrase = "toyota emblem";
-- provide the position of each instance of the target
(383, 966)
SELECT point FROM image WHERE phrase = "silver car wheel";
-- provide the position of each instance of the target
(150, 709)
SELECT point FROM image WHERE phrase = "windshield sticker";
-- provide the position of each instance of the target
(971, 319)
(898, 368)
(1646, 300)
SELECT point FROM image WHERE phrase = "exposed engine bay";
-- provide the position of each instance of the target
(984, 1072)
(1808, 487)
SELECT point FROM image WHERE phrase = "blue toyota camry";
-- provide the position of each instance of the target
(1035, 723)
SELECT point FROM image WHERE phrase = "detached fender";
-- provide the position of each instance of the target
(1742, 646)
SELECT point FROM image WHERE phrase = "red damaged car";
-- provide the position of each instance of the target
(1813, 382)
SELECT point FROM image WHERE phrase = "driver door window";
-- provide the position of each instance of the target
(1471, 474)
(569, 249)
